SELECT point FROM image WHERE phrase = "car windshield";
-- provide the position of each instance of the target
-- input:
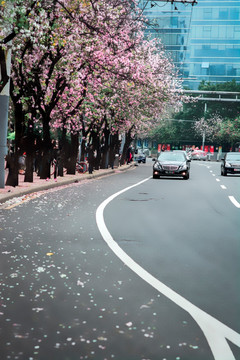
(171, 156)
(233, 157)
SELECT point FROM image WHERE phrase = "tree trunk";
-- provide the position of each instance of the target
(45, 164)
(104, 160)
(30, 153)
(62, 149)
(12, 160)
(94, 140)
(114, 149)
(46, 156)
(128, 140)
(71, 168)
(97, 148)
(29, 167)
(83, 150)
(12, 165)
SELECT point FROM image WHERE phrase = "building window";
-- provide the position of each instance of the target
(231, 71)
(223, 14)
(234, 14)
(207, 13)
(205, 65)
(237, 32)
(207, 31)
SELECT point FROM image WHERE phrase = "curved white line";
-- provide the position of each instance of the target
(215, 332)
(234, 201)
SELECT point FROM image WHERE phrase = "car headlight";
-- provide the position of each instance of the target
(183, 167)
(227, 164)
(156, 166)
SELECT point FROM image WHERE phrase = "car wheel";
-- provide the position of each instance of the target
(186, 177)
(156, 176)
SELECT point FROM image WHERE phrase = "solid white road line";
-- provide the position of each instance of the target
(234, 201)
(215, 332)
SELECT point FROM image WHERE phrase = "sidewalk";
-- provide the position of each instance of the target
(38, 184)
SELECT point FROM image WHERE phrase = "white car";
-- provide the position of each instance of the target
(199, 155)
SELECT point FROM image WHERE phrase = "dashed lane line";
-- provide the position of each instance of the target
(232, 198)
(234, 201)
(216, 333)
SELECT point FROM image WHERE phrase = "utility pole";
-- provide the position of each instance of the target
(4, 103)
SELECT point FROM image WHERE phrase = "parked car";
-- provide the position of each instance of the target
(171, 163)
(199, 155)
(140, 157)
(230, 163)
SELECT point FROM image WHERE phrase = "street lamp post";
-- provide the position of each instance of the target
(204, 130)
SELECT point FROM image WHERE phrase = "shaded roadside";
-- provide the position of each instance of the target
(38, 184)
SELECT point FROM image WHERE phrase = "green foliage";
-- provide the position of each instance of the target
(225, 109)
(165, 132)
(230, 86)
(173, 131)
(191, 111)
(11, 136)
(229, 132)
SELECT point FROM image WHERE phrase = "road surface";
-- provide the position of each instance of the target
(124, 267)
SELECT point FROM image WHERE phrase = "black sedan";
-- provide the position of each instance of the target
(171, 164)
(230, 163)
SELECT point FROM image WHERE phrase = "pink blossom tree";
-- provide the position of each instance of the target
(208, 127)
(83, 66)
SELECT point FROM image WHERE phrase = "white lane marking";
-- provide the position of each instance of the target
(213, 175)
(215, 332)
(223, 187)
(217, 179)
(234, 201)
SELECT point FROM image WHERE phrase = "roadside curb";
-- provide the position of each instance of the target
(61, 181)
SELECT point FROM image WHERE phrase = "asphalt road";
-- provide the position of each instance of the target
(151, 273)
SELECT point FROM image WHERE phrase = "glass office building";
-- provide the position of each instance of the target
(203, 40)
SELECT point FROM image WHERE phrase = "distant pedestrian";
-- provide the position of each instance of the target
(129, 155)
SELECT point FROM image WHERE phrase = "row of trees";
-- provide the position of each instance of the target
(81, 68)
(218, 121)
